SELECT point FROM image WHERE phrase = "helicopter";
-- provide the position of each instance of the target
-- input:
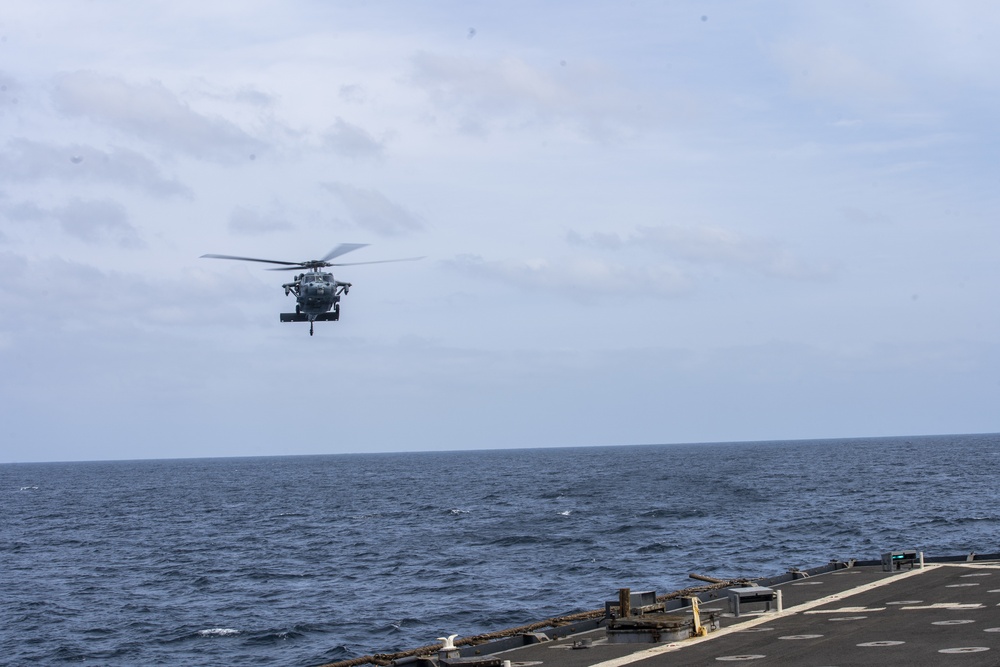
(316, 292)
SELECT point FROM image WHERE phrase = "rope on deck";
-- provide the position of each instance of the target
(384, 659)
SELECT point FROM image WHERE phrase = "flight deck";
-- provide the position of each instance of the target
(903, 610)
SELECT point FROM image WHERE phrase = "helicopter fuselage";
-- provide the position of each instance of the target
(316, 293)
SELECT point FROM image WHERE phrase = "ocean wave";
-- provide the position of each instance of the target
(516, 540)
(657, 547)
(942, 521)
(673, 513)
(218, 632)
(336, 654)
(274, 636)
(297, 631)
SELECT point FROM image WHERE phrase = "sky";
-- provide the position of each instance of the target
(641, 222)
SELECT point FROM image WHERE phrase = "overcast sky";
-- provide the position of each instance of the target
(644, 222)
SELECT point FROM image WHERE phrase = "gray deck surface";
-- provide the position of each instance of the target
(946, 614)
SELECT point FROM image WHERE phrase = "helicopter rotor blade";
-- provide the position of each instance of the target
(252, 259)
(342, 249)
(315, 264)
(307, 265)
(378, 261)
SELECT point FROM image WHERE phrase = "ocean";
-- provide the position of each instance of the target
(311, 559)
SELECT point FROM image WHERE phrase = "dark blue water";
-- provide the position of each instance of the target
(306, 560)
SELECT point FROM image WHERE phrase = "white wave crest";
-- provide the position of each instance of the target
(219, 632)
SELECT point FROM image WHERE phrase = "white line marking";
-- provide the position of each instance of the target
(883, 643)
(737, 658)
(845, 610)
(948, 605)
(954, 621)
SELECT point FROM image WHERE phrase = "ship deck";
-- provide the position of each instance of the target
(941, 614)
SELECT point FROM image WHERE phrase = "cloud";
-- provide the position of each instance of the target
(577, 277)
(9, 88)
(351, 141)
(152, 113)
(245, 221)
(90, 220)
(829, 72)
(25, 160)
(374, 212)
(488, 84)
(511, 93)
(92, 297)
(709, 245)
(247, 95)
(352, 94)
(680, 255)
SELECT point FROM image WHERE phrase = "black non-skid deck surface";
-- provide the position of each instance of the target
(941, 615)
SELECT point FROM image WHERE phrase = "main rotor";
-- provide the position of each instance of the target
(316, 264)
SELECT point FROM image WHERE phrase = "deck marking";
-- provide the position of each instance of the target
(905, 602)
(992, 630)
(761, 620)
(954, 621)
(769, 629)
(844, 610)
(801, 637)
(883, 643)
(961, 585)
(734, 658)
(847, 618)
(978, 574)
(949, 605)
(965, 649)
